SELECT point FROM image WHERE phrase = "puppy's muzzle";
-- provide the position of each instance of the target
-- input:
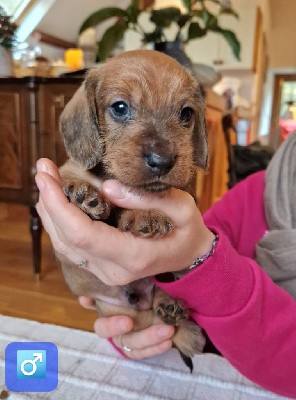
(159, 164)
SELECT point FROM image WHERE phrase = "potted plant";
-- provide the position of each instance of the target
(7, 40)
(194, 23)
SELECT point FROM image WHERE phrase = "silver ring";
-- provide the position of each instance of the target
(83, 264)
(125, 348)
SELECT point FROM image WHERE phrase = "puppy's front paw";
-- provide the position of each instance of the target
(87, 198)
(148, 224)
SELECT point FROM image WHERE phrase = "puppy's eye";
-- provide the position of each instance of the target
(186, 115)
(120, 110)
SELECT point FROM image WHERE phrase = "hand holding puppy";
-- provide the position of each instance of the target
(116, 257)
(75, 236)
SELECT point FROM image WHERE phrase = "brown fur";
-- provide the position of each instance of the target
(100, 146)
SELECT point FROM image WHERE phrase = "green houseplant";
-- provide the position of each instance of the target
(7, 30)
(7, 41)
(195, 23)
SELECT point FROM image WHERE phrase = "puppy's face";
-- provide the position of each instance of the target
(147, 110)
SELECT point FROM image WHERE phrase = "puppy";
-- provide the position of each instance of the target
(139, 118)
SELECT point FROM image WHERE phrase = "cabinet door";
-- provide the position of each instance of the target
(14, 148)
(52, 100)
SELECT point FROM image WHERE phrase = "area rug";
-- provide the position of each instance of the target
(91, 369)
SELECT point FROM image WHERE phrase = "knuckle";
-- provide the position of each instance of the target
(188, 209)
(59, 247)
(115, 280)
(77, 239)
(141, 261)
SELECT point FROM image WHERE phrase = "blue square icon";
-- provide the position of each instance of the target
(31, 366)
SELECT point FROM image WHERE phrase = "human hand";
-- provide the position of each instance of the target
(144, 343)
(117, 257)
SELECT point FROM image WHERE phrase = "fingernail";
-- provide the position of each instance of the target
(164, 331)
(39, 182)
(41, 166)
(114, 189)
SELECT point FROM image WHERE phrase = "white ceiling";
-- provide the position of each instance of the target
(65, 16)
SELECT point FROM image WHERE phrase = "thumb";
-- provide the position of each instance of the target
(46, 165)
(174, 203)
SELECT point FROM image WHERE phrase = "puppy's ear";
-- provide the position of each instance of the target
(79, 124)
(200, 142)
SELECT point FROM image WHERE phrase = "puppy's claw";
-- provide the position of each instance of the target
(187, 360)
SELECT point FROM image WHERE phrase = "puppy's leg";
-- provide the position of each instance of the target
(83, 189)
(188, 336)
(143, 223)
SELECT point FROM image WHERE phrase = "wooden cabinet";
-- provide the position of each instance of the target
(53, 99)
(213, 184)
(29, 117)
(14, 142)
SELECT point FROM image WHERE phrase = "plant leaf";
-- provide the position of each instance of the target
(165, 16)
(187, 4)
(216, 2)
(184, 18)
(209, 19)
(195, 31)
(229, 11)
(133, 11)
(110, 39)
(99, 16)
(231, 39)
(154, 37)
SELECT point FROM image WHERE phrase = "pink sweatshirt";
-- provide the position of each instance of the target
(251, 320)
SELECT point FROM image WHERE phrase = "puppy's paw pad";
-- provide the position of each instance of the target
(171, 313)
(148, 224)
(87, 198)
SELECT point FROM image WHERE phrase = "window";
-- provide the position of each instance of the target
(14, 8)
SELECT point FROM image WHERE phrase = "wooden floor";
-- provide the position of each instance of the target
(48, 300)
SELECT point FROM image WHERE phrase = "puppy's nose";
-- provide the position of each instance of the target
(159, 164)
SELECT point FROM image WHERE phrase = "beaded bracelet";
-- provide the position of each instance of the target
(200, 260)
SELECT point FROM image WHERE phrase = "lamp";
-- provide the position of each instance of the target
(158, 4)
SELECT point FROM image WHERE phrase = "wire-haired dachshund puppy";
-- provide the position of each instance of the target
(138, 118)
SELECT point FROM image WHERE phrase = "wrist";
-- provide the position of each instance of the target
(206, 251)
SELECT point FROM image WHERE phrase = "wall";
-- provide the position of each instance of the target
(282, 37)
(279, 26)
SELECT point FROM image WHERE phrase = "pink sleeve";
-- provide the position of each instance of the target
(251, 320)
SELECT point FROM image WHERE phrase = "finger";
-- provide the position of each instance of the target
(87, 302)
(150, 351)
(46, 165)
(48, 223)
(106, 327)
(146, 338)
(64, 222)
(68, 219)
(64, 215)
(168, 201)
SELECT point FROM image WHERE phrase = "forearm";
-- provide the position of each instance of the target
(249, 318)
